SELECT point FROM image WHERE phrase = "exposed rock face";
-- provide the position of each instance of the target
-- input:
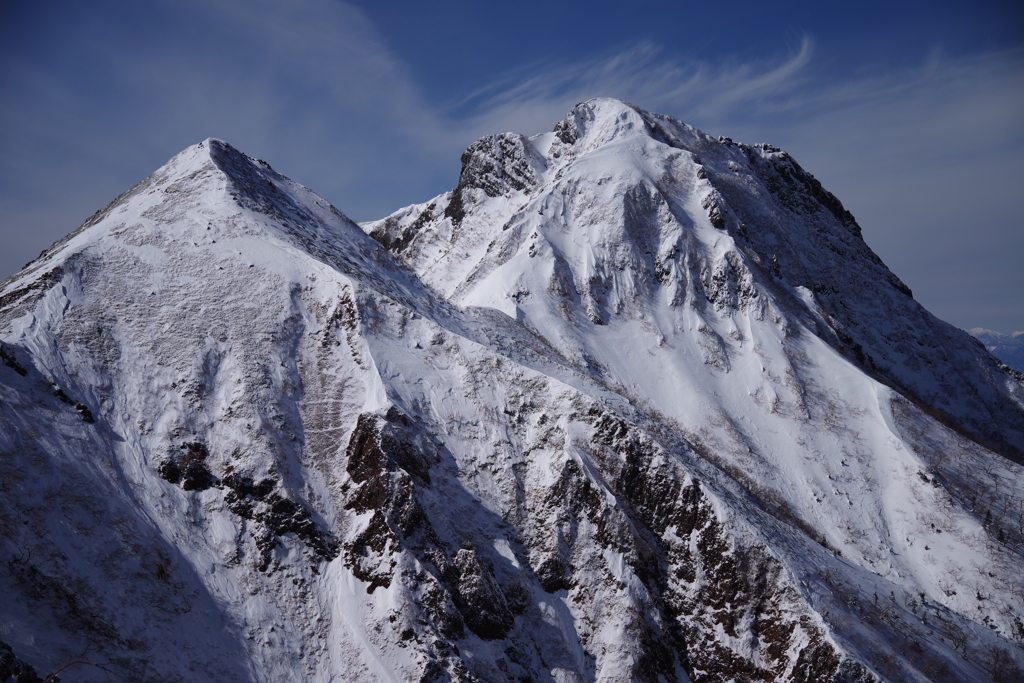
(628, 404)
(500, 164)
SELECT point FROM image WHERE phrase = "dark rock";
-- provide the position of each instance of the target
(85, 413)
(13, 668)
(801, 191)
(455, 210)
(374, 540)
(480, 598)
(497, 164)
(397, 240)
(383, 445)
(275, 515)
(365, 457)
(566, 132)
(195, 476)
(11, 362)
(554, 575)
(169, 471)
(194, 451)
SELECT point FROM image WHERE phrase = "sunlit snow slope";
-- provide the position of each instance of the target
(629, 403)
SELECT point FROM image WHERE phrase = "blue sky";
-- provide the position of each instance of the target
(911, 112)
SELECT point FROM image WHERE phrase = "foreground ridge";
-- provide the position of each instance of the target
(630, 403)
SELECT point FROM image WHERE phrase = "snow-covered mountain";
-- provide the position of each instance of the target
(629, 404)
(1008, 348)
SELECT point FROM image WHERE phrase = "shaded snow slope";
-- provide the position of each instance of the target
(574, 431)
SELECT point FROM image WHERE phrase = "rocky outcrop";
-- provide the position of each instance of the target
(631, 403)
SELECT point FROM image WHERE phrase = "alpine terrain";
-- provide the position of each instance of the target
(630, 403)
(1008, 348)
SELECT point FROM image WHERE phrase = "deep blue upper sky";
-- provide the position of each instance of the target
(911, 112)
(471, 42)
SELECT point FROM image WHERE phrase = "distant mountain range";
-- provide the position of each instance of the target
(1008, 348)
(629, 403)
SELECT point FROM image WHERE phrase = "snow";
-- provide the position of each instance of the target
(1008, 348)
(654, 314)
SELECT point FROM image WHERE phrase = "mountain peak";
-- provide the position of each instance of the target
(196, 161)
(599, 121)
(639, 405)
(630, 217)
(212, 179)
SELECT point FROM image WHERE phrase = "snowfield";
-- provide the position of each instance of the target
(630, 403)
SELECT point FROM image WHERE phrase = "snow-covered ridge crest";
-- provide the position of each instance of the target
(601, 121)
(630, 403)
(212, 169)
(637, 212)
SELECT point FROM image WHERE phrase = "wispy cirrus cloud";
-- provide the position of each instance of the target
(97, 96)
(645, 74)
(926, 156)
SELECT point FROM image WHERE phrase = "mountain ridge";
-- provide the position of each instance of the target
(1008, 348)
(579, 426)
(759, 243)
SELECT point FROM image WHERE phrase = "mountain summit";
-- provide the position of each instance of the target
(630, 403)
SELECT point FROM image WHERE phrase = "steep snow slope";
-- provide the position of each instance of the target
(637, 216)
(242, 441)
(720, 286)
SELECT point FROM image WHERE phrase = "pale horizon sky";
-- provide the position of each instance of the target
(911, 113)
